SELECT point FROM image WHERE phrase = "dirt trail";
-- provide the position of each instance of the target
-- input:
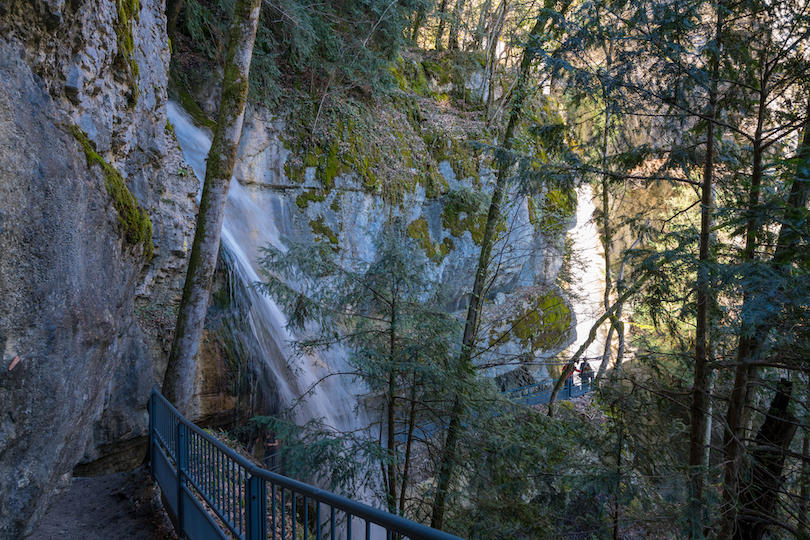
(122, 506)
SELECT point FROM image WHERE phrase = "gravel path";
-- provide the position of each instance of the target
(123, 506)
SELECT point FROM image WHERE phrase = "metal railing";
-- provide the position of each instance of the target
(211, 492)
(539, 393)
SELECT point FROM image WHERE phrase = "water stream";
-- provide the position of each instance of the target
(589, 283)
(247, 227)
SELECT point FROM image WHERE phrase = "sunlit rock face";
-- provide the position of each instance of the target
(345, 213)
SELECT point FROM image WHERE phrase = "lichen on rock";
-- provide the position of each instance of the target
(137, 226)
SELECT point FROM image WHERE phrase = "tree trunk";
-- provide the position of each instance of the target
(699, 395)
(748, 347)
(750, 344)
(408, 445)
(491, 68)
(617, 326)
(481, 27)
(419, 20)
(448, 455)
(804, 488)
(455, 25)
(440, 29)
(609, 314)
(178, 384)
(758, 499)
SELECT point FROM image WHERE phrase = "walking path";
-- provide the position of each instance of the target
(123, 506)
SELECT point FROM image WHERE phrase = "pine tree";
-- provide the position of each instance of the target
(387, 314)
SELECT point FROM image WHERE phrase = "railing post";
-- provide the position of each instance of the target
(152, 406)
(256, 508)
(182, 465)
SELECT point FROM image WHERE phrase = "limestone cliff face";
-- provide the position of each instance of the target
(76, 367)
(534, 318)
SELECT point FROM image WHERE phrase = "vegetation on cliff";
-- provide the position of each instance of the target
(710, 286)
(135, 222)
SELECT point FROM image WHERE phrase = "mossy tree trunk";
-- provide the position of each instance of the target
(178, 384)
(464, 369)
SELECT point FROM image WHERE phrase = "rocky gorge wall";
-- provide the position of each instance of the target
(85, 159)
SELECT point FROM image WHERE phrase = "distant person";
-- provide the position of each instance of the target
(585, 372)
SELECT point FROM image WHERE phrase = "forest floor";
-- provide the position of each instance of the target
(122, 506)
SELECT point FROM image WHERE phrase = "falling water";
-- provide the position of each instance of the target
(246, 228)
(589, 283)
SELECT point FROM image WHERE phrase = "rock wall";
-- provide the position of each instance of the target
(531, 317)
(76, 366)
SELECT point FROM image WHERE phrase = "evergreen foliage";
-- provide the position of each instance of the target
(332, 46)
(387, 314)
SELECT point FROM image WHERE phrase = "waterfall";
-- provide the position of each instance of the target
(246, 228)
(589, 284)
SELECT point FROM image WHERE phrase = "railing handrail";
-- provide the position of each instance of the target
(385, 519)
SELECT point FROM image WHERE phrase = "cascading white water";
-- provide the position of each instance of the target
(245, 229)
(589, 284)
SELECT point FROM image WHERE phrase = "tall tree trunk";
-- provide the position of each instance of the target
(699, 396)
(178, 384)
(455, 26)
(408, 445)
(749, 343)
(392, 389)
(492, 57)
(699, 385)
(758, 498)
(419, 20)
(804, 488)
(448, 455)
(481, 27)
(440, 29)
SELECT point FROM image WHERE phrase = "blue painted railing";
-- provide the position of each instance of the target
(211, 492)
(539, 393)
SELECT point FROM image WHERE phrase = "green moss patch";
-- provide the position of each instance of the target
(465, 210)
(313, 195)
(127, 13)
(551, 214)
(543, 325)
(134, 220)
(321, 229)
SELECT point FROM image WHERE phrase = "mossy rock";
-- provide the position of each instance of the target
(135, 222)
(321, 229)
(127, 13)
(418, 230)
(543, 325)
(312, 195)
(410, 77)
(465, 210)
